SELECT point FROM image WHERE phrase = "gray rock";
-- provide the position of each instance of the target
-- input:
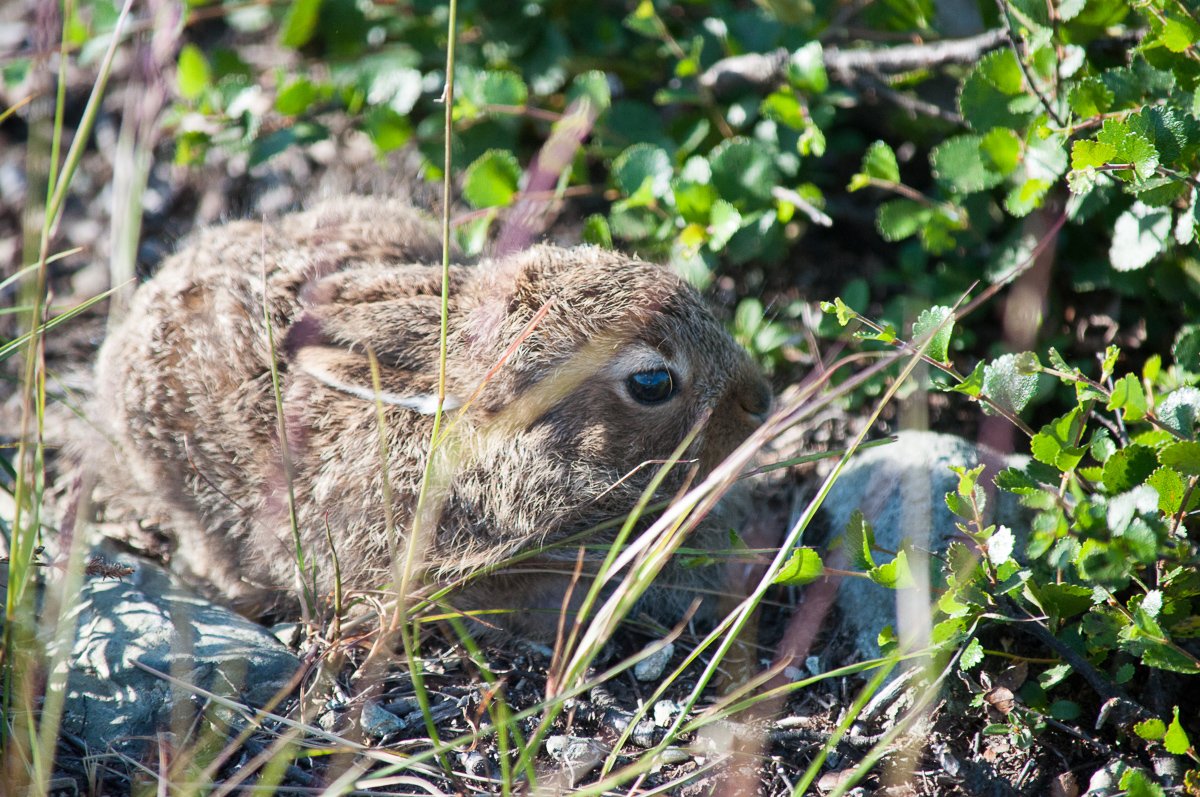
(148, 621)
(578, 755)
(651, 668)
(901, 489)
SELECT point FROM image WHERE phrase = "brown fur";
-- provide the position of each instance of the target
(550, 447)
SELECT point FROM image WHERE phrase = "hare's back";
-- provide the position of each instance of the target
(185, 381)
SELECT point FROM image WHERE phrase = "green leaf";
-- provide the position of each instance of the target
(299, 23)
(1019, 482)
(270, 145)
(785, 108)
(1128, 468)
(1152, 730)
(1002, 150)
(1139, 235)
(898, 219)
(1102, 445)
(1180, 411)
(596, 231)
(643, 167)
(744, 172)
(1057, 443)
(960, 165)
(986, 95)
(1000, 546)
(1007, 382)
(591, 87)
(806, 69)
(1129, 396)
(694, 201)
(644, 20)
(1090, 97)
(1063, 601)
(1186, 349)
(399, 88)
(1001, 70)
(1069, 9)
(1170, 488)
(1183, 456)
(972, 655)
(295, 97)
(1179, 34)
(502, 88)
(1176, 739)
(193, 73)
(725, 221)
(938, 322)
(803, 567)
(893, 575)
(491, 181)
(1111, 354)
(1136, 784)
(1053, 676)
(1091, 154)
(972, 385)
(1065, 710)
(839, 308)
(859, 540)
(879, 163)
(1129, 146)
(387, 129)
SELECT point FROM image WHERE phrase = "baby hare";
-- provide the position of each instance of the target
(555, 423)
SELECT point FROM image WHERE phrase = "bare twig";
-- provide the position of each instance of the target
(845, 65)
(762, 71)
(909, 102)
(1013, 42)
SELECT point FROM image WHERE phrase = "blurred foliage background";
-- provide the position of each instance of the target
(893, 152)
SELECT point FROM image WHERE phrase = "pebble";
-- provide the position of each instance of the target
(674, 755)
(651, 668)
(377, 722)
(475, 764)
(645, 734)
(578, 755)
(665, 712)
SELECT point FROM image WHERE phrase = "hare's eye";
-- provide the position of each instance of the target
(651, 387)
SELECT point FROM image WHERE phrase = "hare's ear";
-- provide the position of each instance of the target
(369, 284)
(345, 366)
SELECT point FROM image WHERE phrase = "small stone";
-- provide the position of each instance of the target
(644, 734)
(665, 712)
(617, 720)
(475, 764)
(674, 755)
(578, 755)
(289, 634)
(651, 668)
(377, 722)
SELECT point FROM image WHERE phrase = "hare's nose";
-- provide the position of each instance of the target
(757, 400)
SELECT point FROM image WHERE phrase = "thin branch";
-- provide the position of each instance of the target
(763, 71)
(1013, 43)
(910, 57)
(909, 102)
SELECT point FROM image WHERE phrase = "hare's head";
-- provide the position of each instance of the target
(618, 363)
